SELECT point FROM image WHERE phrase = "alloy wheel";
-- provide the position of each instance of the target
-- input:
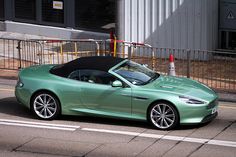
(163, 116)
(45, 106)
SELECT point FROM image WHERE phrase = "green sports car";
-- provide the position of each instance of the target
(114, 87)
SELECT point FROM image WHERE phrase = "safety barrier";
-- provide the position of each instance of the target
(62, 51)
(213, 68)
(15, 54)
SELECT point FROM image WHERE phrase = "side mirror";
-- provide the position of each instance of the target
(117, 83)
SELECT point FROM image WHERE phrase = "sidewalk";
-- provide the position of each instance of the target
(228, 97)
(8, 74)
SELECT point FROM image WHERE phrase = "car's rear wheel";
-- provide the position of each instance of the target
(45, 106)
(163, 116)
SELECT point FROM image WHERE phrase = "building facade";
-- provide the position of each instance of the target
(59, 18)
(182, 24)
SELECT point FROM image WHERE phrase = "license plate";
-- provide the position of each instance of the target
(213, 110)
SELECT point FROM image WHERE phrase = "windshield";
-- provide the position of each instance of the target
(135, 73)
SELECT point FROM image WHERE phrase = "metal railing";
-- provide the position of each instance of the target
(213, 68)
(16, 54)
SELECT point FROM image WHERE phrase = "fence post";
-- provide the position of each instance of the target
(40, 54)
(129, 52)
(114, 53)
(188, 63)
(61, 52)
(19, 52)
(76, 51)
(123, 50)
(153, 60)
(98, 48)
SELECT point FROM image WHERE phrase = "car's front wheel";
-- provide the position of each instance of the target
(45, 106)
(163, 116)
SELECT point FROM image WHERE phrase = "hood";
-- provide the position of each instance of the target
(183, 87)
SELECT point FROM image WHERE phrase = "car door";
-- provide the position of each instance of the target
(100, 97)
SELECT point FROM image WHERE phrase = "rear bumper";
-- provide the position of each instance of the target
(22, 96)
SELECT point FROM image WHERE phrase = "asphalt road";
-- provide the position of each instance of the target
(22, 135)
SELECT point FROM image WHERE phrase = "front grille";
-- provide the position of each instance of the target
(212, 104)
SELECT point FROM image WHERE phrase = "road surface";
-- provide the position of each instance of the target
(22, 135)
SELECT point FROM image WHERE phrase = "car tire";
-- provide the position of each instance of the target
(163, 116)
(45, 106)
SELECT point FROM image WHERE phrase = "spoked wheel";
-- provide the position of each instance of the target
(45, 106)
(163, 116)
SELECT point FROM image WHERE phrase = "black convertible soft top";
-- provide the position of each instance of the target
(102, 63)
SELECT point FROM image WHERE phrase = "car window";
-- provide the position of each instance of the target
(75, 75)
(136, 73)
(92, 76)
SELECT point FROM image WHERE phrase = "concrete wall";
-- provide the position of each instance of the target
(50, 31)
(2, 26)
(185, 24)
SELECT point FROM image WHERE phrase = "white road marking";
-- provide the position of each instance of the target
(111, 131)
(167, 137)
(222, 143)
(151, 135)
(38, 125)
(10, 122)
(196, 140)
(173, 138)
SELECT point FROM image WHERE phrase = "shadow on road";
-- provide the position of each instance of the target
(122, 122)
(10, 106)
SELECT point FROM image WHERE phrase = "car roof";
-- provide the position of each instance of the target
(102, 63)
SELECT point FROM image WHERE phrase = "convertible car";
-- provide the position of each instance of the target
(114, 87)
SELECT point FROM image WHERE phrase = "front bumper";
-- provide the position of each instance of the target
(209, 118)
(199, 114)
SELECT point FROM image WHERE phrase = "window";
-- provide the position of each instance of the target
(92, 76)
(135, 73)
(1, 9)
(53, 11)
(228, 40)
(98, 15)
(75, 75)
(25, 9)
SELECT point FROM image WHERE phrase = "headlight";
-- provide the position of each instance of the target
(190, 100)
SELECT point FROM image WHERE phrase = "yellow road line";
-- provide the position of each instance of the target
(9, 90)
